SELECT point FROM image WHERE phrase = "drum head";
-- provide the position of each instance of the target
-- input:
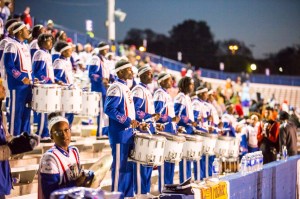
(148, 136)
(228, 138)
(172, 137)
(209, 135)
(188, 137)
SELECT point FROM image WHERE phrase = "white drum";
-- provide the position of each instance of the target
(173, 148)
(46, 98)
(90, 103)
(209, 143)
(148, 150)
(71, 100)
(223, 146)
(234, 150)
(192, 148)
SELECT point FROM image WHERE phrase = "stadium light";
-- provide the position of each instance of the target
(233, 48)
(110, 23)
(280, 69)
(253, 67)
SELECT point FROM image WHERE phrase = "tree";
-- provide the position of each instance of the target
(196, 43)
(235, 55)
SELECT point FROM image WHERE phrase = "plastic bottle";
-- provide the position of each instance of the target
(243, 168)
(216, 168)
(248, 166)
(284, 153)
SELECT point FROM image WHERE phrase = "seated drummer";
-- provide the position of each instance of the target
(163, 105)
(60, 166)
(144, 108)
(183, 109)
(42, 70)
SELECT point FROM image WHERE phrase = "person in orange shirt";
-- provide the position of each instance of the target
(268, 135)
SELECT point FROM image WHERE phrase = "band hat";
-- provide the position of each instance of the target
(18, 27)
(211, 91)
(65, 48)
(123, 67)
(55, 120)
(12, 25)
(201, 90)
(163, 77)
(144, 69)
(103, 46)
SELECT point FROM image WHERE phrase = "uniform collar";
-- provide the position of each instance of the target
(122, 81)
(65, 153)
(144, 85)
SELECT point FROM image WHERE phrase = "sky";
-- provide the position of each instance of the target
(266, 26)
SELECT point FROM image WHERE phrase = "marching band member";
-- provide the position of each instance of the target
(213, 110)
(17, 64)
(20, 144)
(164, 106)
(119, 107)
(144, 108)
(36, 31)
(100, 76)
(201, 109)
(229, 121)
(60, 166)
(201, 112)
(42, 70)
(10, 38)
(183, 109)
(63, 72)
(59, 37)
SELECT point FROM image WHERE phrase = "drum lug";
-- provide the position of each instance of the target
(150, 158)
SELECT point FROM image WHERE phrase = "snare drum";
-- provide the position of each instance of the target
(173, 148)
(90, 103)
(71, 100)
(223, 146)
(192, 148)
(148, 150)
(46, 98)
(209, 143)
(230, 165)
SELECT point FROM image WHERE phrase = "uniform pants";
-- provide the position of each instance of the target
(122, 170)
(203, 165)
(142, 178)
(198, 172)
(165, 174)
(185, 171)
(42, 121)
(19, 112)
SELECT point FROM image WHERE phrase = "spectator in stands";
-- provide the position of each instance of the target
(288, 134)
(60, 166)
(5, 12)
(21, 144)
(27, 18)
(268, 135)
(294, 117)
(50, 28)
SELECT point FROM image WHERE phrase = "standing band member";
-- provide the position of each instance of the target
(164, 106)
(17, 64)
(42, 70)
(63, 69)
(184, 110)
(119, 107)
(144, 108)
(99, 75)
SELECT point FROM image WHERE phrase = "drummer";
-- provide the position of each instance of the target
(18, 67)
(119, 107)
(42, 71)
(201, 108)
(63, 69)
(100, 77)
(183, 109)
(60, 166)
(144, 108)
(164, 106)
(229, 121)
